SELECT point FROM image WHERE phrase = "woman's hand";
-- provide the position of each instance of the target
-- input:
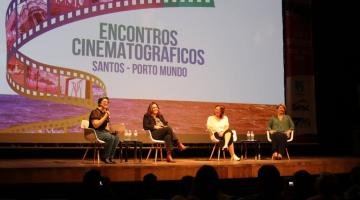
(157, 127)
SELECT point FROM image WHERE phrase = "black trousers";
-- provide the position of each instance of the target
(222, 139)
(278, 142)
(167, 135)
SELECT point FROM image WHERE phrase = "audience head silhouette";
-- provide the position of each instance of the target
(96, 186)
(355, 175)
(92, 178)
(303, 184)
(150, 187)
(326, 184)
(270, 182)
(184, 188)
(185, 185)
(353, 192)
(150, 178)
(206, 183)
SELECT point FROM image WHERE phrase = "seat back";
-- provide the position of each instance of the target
(290, 139)
(152, 139)
(234, 135)
(84, 124)
(212, 136)
(268, 136)
(89, 133)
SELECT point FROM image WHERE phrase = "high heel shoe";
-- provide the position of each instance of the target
(235, 158)
(169, 157)
(274, 156)
(181, 147)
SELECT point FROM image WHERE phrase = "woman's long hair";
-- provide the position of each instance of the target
(149, 110)
(222, 110)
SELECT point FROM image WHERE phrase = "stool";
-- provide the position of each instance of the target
(244, 144)
(137, 147)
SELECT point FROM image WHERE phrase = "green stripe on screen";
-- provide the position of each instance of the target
(189, 3)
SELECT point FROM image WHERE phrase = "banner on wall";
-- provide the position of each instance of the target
(300, 86)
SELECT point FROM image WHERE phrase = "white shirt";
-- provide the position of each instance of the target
(215, 124)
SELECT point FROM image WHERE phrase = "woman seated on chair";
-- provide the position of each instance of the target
(218, 125)
(280, 127)
(155, 122)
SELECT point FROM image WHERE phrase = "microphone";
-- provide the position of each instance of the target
(107, 111)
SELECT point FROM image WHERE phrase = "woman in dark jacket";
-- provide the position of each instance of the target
(155, 122)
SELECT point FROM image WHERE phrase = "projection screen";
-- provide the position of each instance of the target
(59, 56)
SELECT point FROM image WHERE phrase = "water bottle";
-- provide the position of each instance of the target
(135, 134)
(126, 134)
(248, 135)
(130, 134)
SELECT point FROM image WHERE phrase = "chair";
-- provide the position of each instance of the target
(90, 135)
(216, 144)
(155, 144)
(290, 139)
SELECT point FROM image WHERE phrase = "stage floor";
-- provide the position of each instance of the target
(14, 171)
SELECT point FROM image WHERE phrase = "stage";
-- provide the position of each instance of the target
(14, 171)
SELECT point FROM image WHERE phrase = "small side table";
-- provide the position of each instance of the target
(137, 147)
(244, 144)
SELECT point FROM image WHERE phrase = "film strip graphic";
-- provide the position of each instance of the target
(28, 19)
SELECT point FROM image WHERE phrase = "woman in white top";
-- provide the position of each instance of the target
(218, 125)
